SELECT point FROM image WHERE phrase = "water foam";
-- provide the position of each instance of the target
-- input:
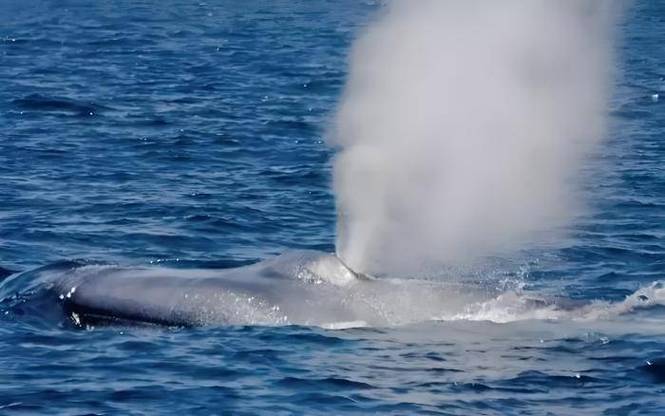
(514, 306)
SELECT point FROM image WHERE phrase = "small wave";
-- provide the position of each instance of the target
(5, 272)
(38, 102)
(330, 383)
(655, 369)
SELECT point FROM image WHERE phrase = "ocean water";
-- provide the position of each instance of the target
(189, 137)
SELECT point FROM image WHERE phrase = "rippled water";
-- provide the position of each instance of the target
(189, 135)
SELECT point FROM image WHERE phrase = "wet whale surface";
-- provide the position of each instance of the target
(302, 287)
(299, 287)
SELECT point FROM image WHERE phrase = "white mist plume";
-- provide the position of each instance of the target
(462, 126)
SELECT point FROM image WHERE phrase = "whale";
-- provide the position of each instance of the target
(296, 288)
(307, 288)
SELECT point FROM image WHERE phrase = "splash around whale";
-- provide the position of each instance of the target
(297, 288)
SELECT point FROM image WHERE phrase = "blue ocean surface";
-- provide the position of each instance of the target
(190, 136)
